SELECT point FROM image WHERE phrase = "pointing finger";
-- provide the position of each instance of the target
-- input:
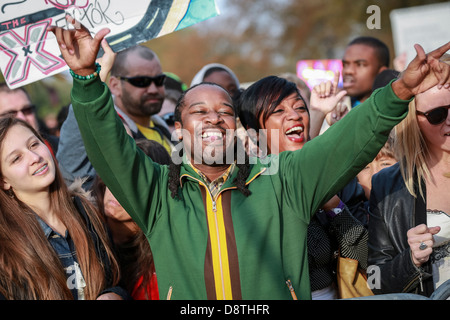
(336, 81)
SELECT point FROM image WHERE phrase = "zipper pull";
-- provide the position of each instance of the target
(420, 282)
(214, 207)
(291, 289)
(169, 294)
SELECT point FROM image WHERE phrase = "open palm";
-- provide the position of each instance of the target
(78, 48)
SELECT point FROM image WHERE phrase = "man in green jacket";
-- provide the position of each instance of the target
(226, 239)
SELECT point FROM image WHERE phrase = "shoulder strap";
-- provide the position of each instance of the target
(162, 130)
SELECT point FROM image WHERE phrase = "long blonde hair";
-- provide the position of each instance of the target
(29, 266)
(411, 149)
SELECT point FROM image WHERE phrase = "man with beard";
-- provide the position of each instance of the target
(137, 84)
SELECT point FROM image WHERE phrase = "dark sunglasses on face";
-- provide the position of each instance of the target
(435, 116)
(144, 82)
(27, 110)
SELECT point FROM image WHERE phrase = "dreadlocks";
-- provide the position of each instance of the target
(240, 180)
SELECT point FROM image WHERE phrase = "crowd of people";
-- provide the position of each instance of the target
(154, 190)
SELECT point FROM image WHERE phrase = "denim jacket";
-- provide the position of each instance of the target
(65, 249)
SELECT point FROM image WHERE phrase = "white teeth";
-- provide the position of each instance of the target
(208, 134)
(294, 129)
(40, 170)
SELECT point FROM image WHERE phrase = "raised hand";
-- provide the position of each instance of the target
(324, 102)
(325, 96)
(423, 72)
(78, 48)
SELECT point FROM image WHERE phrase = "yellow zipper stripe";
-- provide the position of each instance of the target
(224, 252)
(219, 249)
(217, 238)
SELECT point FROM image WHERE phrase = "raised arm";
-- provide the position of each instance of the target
(347, 146)
(130, 175)
(73, 160)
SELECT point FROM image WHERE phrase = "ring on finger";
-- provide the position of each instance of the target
(423, 246)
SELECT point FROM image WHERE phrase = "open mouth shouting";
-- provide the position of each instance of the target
(295, 134)
(212, 136)
(348, 81)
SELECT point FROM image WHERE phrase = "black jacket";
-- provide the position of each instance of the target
(392, 212)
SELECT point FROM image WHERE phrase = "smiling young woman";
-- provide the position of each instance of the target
(47, 248)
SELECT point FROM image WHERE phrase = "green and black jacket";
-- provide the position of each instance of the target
(232, 246)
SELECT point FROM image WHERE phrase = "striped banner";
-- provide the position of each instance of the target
(29, 53)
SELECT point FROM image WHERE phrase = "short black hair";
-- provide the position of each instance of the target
(180, 103)
(381, 49)
(261, 98)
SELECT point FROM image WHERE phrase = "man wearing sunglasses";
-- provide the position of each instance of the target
(137, 84)
(17, 103)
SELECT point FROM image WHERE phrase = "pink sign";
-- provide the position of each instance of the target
(314, 72)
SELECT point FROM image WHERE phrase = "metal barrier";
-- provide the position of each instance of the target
(441, 293)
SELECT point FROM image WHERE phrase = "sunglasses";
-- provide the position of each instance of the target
(144, 82)
(26, 111)
(435, 116)
(169, 118)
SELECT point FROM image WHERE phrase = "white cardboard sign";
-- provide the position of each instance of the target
(427, 25)
(29, 53)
